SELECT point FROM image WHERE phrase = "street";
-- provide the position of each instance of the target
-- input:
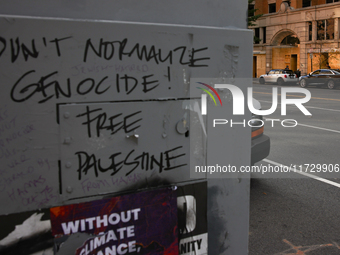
(291, 213)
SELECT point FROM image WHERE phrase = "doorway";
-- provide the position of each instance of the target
(254, 66)
(324, 60)
(293, 62)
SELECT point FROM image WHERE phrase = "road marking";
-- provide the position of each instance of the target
(320, 128)
(303, 125)
(321, 98)
(305, 174)
(312, 107)
(326, 109)
(302, 250)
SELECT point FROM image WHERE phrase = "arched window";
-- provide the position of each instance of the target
(291, 40)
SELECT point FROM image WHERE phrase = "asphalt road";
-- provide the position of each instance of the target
(291, 213)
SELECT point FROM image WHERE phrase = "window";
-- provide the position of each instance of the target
(277, 72)
(271, 72)
(272, 8)
(326, 72)
(264, 35)
(331, 1)
(287, 71)
(321, 29)
(251, 10)
(306, 3)
(291, 40)
(257, 36)
(310, 31)
(325, 29)
(330, 29)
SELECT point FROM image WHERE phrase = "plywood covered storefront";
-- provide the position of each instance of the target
(286, 56)
(321, 60)
(259, 65)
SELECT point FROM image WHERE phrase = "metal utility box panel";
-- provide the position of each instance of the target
(108, 147)
(51, 67)
(214, 13)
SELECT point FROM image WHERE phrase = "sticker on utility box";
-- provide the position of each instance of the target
(139, 223)
(192, 219)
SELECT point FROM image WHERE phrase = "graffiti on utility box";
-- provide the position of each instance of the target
(102, 102)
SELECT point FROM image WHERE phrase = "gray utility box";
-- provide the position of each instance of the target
(93, 108)
(84, 103)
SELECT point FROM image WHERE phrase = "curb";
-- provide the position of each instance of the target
(256, 80)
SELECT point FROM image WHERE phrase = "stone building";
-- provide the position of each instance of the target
(300, 34)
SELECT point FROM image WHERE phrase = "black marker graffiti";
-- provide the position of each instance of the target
(131, 83)
(57, 46)
(108, 49)
(113, 123)
(17, 47)
(47, 87)
(44, 83)
(145, 161)
(15, 50)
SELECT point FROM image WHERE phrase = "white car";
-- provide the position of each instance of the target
(280, 76)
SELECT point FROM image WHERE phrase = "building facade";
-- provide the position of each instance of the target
(300, 34)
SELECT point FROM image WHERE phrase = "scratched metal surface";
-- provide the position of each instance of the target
(67, 62)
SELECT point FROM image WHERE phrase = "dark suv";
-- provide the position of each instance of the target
(321, 77)
(260, 143)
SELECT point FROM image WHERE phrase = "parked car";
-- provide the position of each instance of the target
(260, 143)
(321, 77)
(281, 76)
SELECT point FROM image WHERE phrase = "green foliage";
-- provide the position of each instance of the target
(256, 39)
(252, 17)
